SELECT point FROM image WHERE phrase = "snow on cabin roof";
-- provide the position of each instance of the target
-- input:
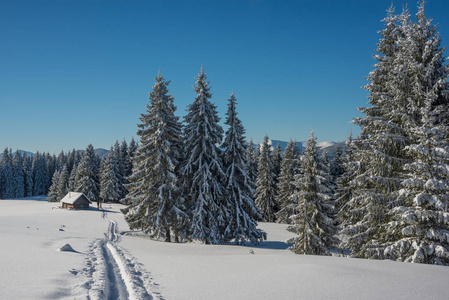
(71, 197)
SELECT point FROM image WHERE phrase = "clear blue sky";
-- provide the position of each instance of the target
(79, 72)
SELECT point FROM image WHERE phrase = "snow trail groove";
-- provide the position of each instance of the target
(112, 273)
(123, 283)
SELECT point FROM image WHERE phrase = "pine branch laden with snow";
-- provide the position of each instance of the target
(286, 183)
(313, 215)
(266, 189)
(243, 212)
(202, 171)
(156, 204)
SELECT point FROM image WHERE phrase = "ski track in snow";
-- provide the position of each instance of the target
(112, 273)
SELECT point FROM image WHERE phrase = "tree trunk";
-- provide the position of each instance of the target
(167, 235)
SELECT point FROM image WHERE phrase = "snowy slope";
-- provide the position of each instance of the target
(33, 268)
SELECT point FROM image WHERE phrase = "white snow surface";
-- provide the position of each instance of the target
(33, 268)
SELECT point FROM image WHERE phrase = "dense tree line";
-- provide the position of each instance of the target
(23, 175)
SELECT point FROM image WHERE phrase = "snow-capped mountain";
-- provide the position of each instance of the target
(327, 147)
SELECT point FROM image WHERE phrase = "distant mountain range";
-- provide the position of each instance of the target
(100, 152)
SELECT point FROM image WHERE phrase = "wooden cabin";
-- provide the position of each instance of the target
(75, 201)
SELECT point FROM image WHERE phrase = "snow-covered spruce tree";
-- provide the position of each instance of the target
(277, 161)
(61, 160)
(7, 180)
(286, 185)
(39, 175)
(50, 164)
(87, 181)
(418, 230)
(243, 212)
(337, 165)
(72, 179)
(312, 218)
(348, 210)
(110, 185)
(28, 173)
(251, 161)
(119, 170)
(379, 149)
(266, 184)
(132, 148)
(63, 184)
(126, 161)
(53, 195)
(155, 200)
(18, 175)
(202, 170)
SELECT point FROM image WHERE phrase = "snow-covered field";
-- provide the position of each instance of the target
(110, 261)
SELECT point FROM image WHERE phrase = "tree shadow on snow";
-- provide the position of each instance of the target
(272, 245)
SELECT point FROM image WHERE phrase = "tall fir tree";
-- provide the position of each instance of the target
(348, 211)
(119, 169)
(50, 164)
(7, 179)
(63, 184)
(110, 185)
(337, 165)
(417, 230)
(251, 159)
(40, 175)
(410, 70)
(243, 212)
(312, 219)
(379, 149)
(286, 182)
(277, 161)
(72, 179)
(126, 160)
(87, 181)
(28, 173)
(266, 184)
(53, 195)
(202, 171)
(61, 161)
(18, 175)
(154, 195)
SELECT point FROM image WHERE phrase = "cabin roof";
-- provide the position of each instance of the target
(72, 197)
